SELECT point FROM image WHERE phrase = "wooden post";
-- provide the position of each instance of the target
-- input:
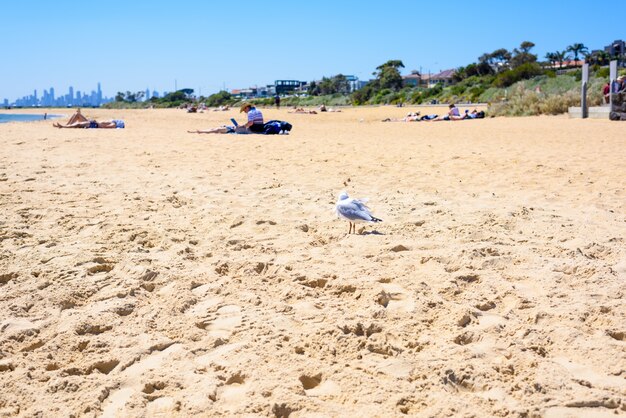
(583, 94)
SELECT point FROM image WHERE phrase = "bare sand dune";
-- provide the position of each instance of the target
(152, 272)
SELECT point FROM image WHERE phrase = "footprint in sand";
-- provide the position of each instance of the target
(396, 298)
(228, 318)
(233, 392)
(132, 376)
(219, 320)
(164, 406)
(314, 385)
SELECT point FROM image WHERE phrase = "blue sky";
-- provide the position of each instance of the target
(206, 45)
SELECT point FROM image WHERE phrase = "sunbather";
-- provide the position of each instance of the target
(474, 114)
(107, 124)
(222, 130)
(77, 117)
(302, 110)
(410, 117)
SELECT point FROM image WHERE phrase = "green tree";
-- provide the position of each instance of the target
(599, 57)
(175, 96)
(337, 84)
(340, 84)
(526, 46)
(523, 55)
(523, 72)
(187, 92)
(364, 94)
(497, 60)
(577, 49)
(388, 75)
(218, 99)
(560, 57)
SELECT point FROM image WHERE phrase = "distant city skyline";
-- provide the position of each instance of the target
(72, 98)
(49, 98)
(210, 46)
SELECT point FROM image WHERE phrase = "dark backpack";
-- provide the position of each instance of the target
(275, 127)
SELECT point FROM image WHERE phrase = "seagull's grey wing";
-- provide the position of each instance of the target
(360, 203)
(354, 211)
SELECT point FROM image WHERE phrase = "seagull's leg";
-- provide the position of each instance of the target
(349, 227)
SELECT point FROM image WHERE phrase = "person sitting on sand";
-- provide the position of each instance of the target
(255, 117)
(250, 127)
(92, 124)
(453, 113)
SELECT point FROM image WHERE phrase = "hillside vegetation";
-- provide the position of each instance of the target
(513, 83)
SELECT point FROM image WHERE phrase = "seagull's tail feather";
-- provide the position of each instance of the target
(376, 219)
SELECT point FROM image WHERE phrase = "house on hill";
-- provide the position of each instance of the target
(416, 79)
(445, 77)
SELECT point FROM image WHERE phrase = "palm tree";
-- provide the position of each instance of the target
(561, 57)
(603, 57)
(577, 49)
(551, 56)
(599, 57)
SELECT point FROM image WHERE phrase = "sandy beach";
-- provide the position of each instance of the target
(151, 272)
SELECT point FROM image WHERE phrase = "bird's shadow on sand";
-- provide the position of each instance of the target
(374, 232)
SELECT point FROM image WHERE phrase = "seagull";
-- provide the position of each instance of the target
(354, 210)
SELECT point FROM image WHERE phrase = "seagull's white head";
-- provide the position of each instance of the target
(343, 195)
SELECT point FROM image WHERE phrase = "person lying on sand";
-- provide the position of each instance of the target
(222, 130)
(413, 117)
(302, 110)
(410, 117)
(92, 124)
(474, 114)
(322, 108)
(77, 117)
(452, 115)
